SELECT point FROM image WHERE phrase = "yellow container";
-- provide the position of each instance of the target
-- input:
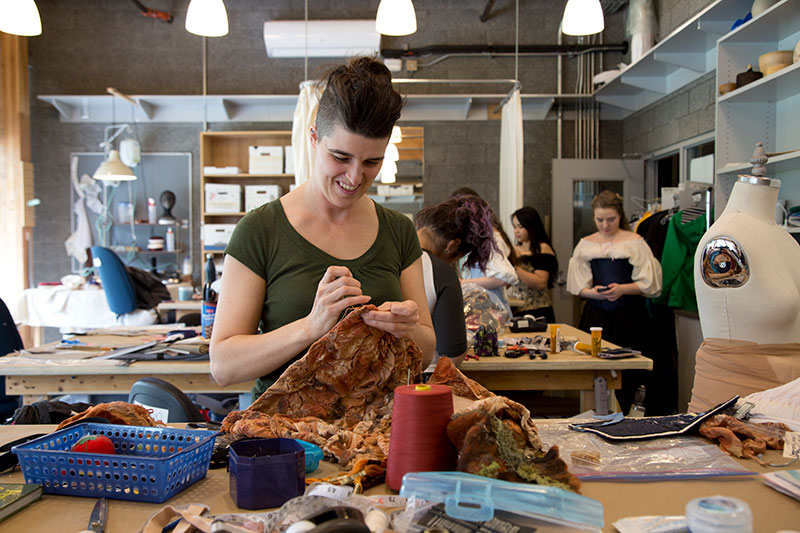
(597, 337)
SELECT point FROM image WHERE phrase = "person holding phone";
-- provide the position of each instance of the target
(614, 270)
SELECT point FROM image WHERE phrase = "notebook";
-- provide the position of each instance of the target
(16, 496)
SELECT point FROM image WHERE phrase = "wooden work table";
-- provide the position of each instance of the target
(567, 370)
(772, 511)
(36, 381)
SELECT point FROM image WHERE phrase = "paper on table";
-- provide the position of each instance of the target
(785, 481)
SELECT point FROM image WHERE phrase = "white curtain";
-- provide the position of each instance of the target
(511, 147)
(304, 116)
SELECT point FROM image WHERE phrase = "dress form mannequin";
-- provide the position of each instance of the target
(755, 296)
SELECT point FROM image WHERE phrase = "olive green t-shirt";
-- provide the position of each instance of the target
(266, 243)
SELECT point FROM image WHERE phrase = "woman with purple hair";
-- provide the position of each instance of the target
(456, 228)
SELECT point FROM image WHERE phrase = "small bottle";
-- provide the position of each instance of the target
(170, 240)
(187, 266)
(152, 217)
(637, 409)
(209, 310)
(211, 270)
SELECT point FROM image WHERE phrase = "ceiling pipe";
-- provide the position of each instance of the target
(538, 49)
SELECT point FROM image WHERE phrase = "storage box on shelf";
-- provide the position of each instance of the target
(241, 170)
(765, 110)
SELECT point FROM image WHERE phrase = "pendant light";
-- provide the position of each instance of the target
(113, 169)
(582, 17)
(397, 135)
(20, 17)
(396, 17)
(207, 18)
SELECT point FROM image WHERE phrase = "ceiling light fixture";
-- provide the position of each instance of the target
(396, 17)
(20, 17)
(582, 17)
(113, 169)
(207, 18)
(397, 135)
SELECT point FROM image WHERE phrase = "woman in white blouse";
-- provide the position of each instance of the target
(613, 270)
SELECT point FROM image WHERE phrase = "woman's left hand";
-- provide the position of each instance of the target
(397, 318)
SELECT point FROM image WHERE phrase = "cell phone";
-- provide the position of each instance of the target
(602, 289)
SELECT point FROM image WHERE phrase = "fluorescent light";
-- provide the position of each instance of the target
(207, 18)
(582, 17)
(112, 169)
(20, 17)
(396, 17)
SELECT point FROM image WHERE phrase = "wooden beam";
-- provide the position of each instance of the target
(16, 170)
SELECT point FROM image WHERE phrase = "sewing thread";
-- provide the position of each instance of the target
(418, 441)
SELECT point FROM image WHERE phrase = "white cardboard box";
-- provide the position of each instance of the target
(223, 198)
(395, 190)
(266, 160)
(288, 159)
(258, 195)
(216, 236)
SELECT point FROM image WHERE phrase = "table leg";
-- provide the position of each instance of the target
(28, 399)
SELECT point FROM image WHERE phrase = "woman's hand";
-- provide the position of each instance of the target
(613, 293)
(336, 291)
(397, 318)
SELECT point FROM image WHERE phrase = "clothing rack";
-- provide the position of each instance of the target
(692, 204)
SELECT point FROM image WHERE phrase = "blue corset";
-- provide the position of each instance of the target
(606, 271)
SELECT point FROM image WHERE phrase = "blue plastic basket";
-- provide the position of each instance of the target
(151, 464)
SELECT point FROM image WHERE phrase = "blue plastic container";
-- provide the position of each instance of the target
(266, 472)
(151, 464)
(313, 455)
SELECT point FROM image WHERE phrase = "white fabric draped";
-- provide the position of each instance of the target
(511, 148)
(304, 116)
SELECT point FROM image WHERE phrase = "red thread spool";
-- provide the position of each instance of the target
(418, 442)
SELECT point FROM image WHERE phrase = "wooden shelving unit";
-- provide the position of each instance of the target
(231, 149)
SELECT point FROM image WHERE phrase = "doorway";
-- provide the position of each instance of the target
(575, 184)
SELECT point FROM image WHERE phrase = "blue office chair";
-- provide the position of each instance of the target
(119, 290)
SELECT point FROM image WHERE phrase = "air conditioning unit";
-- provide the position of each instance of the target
(326, 38)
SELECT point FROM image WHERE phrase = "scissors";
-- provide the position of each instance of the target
(97, 521)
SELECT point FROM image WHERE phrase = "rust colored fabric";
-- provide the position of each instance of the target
(446, 373)
(727, 367)
(122, 413)
(349, 373)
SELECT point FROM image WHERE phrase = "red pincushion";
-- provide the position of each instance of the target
(94, 444)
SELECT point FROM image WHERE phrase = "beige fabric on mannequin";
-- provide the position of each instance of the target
(726, 367)
(765, 309)
(752, 332)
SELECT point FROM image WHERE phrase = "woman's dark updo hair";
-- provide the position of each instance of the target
(359, 97)
(529, 218)
(467, 218)
(612, 200)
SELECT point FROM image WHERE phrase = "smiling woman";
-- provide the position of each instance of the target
(295, 264)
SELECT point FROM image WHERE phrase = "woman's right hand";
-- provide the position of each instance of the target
(336, 291)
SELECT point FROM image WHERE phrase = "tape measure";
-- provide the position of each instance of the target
(600, 396)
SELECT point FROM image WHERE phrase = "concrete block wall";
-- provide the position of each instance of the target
(89, 45)
(678, 116)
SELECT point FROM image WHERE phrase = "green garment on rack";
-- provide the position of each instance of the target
(677, 262)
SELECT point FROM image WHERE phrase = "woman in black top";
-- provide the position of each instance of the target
(456, 228)
(536, 265)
